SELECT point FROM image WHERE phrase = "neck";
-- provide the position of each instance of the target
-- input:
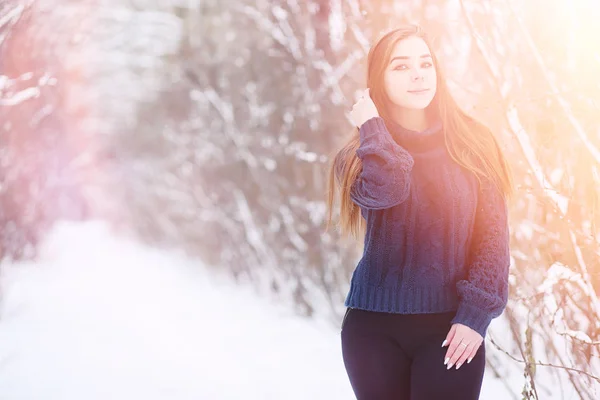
(414, 120)
(418, 140)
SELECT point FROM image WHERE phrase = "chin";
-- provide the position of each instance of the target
(414, 103)
(417, 105)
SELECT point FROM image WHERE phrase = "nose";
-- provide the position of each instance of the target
(417, 76)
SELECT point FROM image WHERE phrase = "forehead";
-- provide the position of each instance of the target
(411, 47)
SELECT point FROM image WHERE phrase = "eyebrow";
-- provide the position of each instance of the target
(406, 57)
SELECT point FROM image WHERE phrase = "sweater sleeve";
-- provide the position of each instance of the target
(484, 294)
(386, 168)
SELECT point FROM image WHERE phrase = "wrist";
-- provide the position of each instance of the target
(372, 126)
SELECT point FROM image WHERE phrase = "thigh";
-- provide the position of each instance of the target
(428, 366)
(377, 367)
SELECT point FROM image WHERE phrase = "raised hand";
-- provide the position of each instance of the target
(363, 110)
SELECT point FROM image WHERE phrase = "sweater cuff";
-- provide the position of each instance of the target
(371, 127)
(473, 317)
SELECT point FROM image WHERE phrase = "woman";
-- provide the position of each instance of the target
(427, 185)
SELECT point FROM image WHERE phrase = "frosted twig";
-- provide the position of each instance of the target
(545, 73)
(544, 364)
(517, 129)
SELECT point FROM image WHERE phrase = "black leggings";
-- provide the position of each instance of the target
(399, 357)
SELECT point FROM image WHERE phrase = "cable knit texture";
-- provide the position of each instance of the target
(436, 240)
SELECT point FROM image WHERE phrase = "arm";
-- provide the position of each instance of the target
(386, 167)
(483, 296)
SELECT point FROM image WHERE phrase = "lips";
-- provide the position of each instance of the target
(418, 91)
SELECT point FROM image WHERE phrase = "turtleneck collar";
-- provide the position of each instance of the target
(414, 141)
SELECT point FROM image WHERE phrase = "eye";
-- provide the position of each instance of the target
(400, 67)
(427, 64)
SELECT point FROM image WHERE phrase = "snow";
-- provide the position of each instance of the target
(101, 316)
(20, 97)
(560, 201)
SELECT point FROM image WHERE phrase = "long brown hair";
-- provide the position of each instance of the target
(471, 144)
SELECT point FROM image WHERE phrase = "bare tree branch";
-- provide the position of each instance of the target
(557, 93)
(596, 378)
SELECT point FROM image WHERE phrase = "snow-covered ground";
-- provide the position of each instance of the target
(104, 317)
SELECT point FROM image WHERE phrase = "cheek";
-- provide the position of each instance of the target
(432, 76)
(396, 84)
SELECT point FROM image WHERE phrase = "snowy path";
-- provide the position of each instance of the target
(106, 318)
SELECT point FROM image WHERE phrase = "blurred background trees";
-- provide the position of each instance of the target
(209, 125)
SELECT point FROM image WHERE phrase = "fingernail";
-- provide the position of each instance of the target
(449, 366)
(469, 360)
(446, 360)
(444, 343)
(458, 366)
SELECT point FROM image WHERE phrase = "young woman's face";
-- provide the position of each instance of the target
(410, 79)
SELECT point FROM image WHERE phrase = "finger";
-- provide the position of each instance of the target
(473, 353)
(454, 351)
(358, 96)
(449, 336)
(465, 355)
(459, 350)
(447, 342)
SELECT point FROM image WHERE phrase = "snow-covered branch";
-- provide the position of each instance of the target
(555, 91)
(542, 364)
(18, 97)
(559, 202)
(275, 31)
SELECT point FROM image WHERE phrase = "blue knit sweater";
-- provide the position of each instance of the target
(436, 240)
